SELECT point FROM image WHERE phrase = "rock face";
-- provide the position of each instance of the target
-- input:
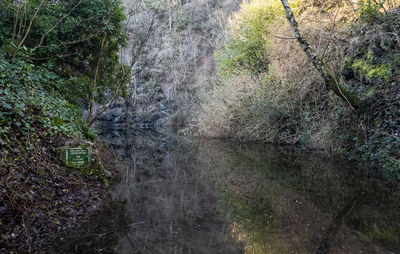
(175, 67)
(115, 118)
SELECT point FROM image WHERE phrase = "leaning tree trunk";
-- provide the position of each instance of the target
(331, 83)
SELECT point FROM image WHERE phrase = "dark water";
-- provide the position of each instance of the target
(180, 195)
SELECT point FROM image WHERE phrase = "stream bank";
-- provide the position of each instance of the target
(40, 198)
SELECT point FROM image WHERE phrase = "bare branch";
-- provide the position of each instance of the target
(56, 24)
(15, 24)
(285, 38)
(331, 83)
(30, 25)
(124, 77)
(95, 78)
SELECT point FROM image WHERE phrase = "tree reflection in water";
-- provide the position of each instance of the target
(208, 196)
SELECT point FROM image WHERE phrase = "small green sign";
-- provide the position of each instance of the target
(78, 156)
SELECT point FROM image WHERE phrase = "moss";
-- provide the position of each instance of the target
(365, 67)
(371, 92)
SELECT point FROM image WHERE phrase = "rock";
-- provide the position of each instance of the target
(153, 119)
(120, 119)
(107, 117)
(116, 112)
(348, 73)
(162, 106)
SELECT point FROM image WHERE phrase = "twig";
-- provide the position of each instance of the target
(54, 26)
(285, 38)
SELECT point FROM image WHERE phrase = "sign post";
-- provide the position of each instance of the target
(77, 156)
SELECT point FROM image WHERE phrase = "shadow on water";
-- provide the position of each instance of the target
(180, 195)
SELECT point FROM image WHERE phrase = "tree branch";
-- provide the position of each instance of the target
(30, 25)
(285, 38)
(54, 26)
(96, 73)
(135, 58)
(331, 83)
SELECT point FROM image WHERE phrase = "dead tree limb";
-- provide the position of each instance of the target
(331, 83)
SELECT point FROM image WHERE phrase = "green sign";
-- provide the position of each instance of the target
(78, 156)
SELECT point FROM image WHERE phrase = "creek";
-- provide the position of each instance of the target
(186, 195)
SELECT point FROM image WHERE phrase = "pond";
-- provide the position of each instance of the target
(183, 195)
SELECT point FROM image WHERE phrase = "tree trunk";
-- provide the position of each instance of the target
(331, 83)
(135, 57)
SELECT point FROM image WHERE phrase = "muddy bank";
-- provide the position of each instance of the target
(40, 199)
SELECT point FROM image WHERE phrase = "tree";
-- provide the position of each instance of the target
(79, 41)
(331, 83)
(126, 73)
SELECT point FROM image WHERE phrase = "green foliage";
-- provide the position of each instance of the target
(371, 66)
(30, 106)
(370, 70)
(65, 37)
(381, 151)
(49, 52)
(248, 47)
(376, 144)
(370, 9)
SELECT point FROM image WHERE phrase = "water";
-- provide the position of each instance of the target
(181, 195)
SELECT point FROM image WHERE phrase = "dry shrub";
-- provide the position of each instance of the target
(216, 115)
(310, 115)
(289, 104)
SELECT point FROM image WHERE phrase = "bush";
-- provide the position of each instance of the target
(248, 46)
(30, 106)
(65, 38)
(370, 9)
(271, 98)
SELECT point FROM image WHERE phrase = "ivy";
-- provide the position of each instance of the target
(71, 32)
(370, 9)
(30, 106)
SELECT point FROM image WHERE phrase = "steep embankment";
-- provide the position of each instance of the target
(56, 60)
(268, 91)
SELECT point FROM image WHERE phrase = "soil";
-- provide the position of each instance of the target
(39, 199)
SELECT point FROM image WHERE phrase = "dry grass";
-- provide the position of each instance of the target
(289, 104)
(216, 116)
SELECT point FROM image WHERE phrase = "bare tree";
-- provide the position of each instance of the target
(331, 83)
(93, 116)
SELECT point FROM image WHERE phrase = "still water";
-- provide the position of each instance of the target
(181, 195)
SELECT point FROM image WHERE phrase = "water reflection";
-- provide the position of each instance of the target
(206, 196)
